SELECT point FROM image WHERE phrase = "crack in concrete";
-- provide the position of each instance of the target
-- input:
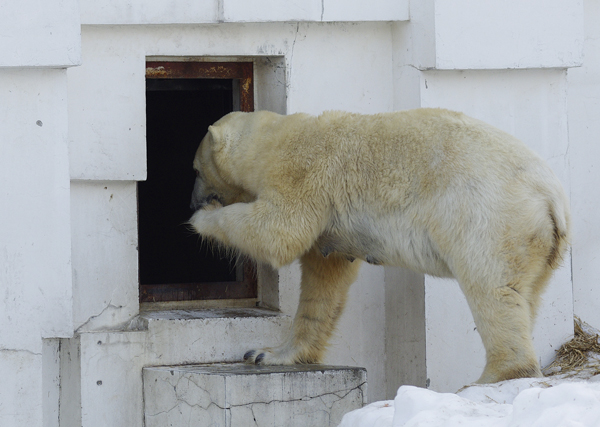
(293, 47)
(305, 398)
(96, 316)
(251, 404)
(181, 399)
(191, 405)
(19, 350)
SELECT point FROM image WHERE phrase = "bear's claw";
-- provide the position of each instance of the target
(252, 358)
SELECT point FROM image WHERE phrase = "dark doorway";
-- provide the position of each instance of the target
(174, 265)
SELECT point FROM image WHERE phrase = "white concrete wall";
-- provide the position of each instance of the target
(116, 12)
(472, 34)
(38, 38)
(39, 33)
(105, 268)
(35, 242)
(353, 71)
(584, 155)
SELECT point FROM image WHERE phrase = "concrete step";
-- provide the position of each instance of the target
(239, 395)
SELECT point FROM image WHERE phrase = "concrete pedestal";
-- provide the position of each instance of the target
(243, 395)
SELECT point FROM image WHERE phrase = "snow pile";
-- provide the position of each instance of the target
(570, 397)
(523, 402)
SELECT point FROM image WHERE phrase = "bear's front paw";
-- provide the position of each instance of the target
(203, 219)
(254, 357)
(270, 356)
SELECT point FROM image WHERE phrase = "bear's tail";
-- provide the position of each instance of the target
(558, 211)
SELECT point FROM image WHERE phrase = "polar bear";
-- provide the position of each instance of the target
(431, 190)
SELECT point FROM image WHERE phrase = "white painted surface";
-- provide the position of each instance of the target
(416, 39)
(107, 118)
(105, 256)
(353, 72)
(357, 10)
(35, 248)
(115, 12)
(51, 382)
(120, 12)
(472, 34)
(271, 10)
(39, 33)
(21, 388)
(584, 151)
(35, 237)
(405, 334)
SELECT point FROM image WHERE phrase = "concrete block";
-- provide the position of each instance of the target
(118, 12)
(358, 10)
(104, 230)
(107, 117)
(338, 81)
(271, 10)
(35, 248)
(115, 12)
(40, 33)
(245, 395)
(21, 389)
(471, 34)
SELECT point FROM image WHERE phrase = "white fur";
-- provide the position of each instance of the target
(431, 190)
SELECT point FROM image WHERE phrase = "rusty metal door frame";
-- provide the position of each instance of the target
(242, 71)
(245, 287)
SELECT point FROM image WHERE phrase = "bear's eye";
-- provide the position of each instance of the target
(197, 172)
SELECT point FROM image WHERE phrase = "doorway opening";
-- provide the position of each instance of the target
(182, 100)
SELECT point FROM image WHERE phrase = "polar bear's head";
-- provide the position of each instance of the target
(213, 167)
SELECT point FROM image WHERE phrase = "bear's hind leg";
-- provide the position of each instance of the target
(324, 288)
(504, 321)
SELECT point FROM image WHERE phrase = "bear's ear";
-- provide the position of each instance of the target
(215, 133)
(216, 138)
